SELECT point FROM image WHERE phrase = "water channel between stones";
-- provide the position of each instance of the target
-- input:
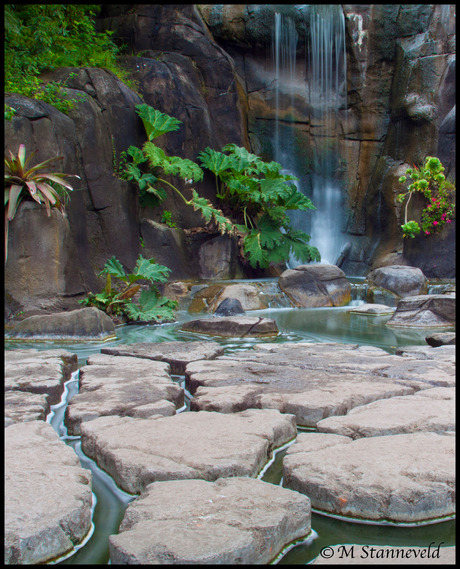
(305, 325)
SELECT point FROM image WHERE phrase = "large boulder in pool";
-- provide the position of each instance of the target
(81, 324)
(316, 285)
(394, 282)
(233, 326)
(426, 310)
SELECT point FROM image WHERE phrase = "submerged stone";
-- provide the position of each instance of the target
(231, 521)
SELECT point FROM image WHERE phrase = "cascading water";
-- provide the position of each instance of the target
(323, 89)
(327, 93)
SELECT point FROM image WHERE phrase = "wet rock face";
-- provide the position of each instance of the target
(230, 521)
(40, 530)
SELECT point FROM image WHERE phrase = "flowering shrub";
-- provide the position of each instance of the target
(431, 182)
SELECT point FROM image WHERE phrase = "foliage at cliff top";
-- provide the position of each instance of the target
(439, 193)
(42, 37)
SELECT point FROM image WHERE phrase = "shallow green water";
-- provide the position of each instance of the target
(295, 325)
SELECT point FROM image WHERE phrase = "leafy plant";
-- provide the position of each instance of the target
(22, 181)
(431, 182)
(118, 300)
(167, 219)
(153, 159)
(42, 37)
(259, 196)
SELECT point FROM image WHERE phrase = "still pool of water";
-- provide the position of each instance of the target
(295, 325)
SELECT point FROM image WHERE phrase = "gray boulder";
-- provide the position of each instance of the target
(232, 326)
(85, 323)
(405, 478)
(136, 452)
(428, 310)
(316, 285)
(230, 521)
(229, 307)
(397, 281)
(48, 495)
(441, 339)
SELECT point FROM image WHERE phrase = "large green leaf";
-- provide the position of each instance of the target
(253, 249)
(215, 161)
(182, 167)
(136, 154)
(209, 211)
(297, 200)
(242, 158)
(155, 122)
(115, 268)
(155, 155)
(152, 307)
(147, 269)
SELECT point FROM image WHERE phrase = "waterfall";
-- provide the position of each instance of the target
(323, 89)
(327, 93)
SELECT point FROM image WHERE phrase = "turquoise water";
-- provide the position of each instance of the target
(295, 325)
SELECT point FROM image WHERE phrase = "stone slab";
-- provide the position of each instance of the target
(177, 354)
(405, 478)
(48, 495)
(313, 381)
(205, 445)
(125, 386)
(230, 521)
(42, 372)
(25, 406)
(372, 309)
(429, 410)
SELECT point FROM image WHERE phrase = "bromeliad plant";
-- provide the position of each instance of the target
(152, 183)
(117, 300)
(259, 196)
(22, 181)
(432, 183)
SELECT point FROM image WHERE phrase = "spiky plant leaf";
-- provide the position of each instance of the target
(155, 122)
(242, 158)
(155, 155)
(254, 250)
